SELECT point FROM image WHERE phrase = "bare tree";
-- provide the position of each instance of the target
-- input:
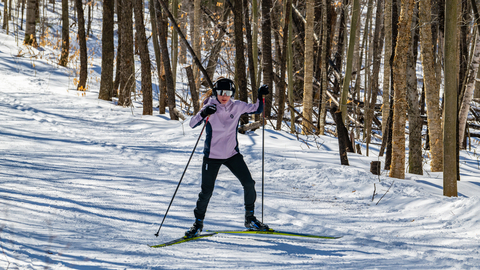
(240, 74)
(144, 58)
(450, 169)
(108, 53)
(66, 35)
(82, 40)
(432, 88)
(30, 31)
(308, 70)
(267, 53)
(162, 35)
(400, 87)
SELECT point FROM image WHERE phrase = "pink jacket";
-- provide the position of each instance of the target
(221, 128)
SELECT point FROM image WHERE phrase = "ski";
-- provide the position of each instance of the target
(183, 240)
(274, 232)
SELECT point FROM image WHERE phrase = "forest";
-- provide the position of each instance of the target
(402, 74)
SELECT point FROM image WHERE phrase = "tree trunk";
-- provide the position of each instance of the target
(291, 100)
(397, 169)
(66, 35)
(374, 83)
(108, 54)
(415, 122)
(193, 89)
(340, 41)
(158, 58)
(217, 47)
(162, 34)
(386, 65)
(197, 37)
(240, 74)
(342, 133)
(283, 65)
(174, 40)
(30, 35)
(348, 71)
(267, 54)
(324, 62)
(469, 89)
(431, 87)
(127, 66)
(82, 40)
(144, 58)
(307, 126)
(450, 167)
(5, 15)
(251, 64)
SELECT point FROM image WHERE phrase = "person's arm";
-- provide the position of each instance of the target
(257, 108)
(202, 114)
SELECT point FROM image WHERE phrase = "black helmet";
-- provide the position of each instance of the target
(223, 84)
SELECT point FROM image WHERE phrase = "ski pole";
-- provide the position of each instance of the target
(175, 193)
(263, 155)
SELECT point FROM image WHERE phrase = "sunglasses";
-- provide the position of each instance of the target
(224, 92)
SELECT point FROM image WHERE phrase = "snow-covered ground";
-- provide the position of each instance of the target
(84, 184)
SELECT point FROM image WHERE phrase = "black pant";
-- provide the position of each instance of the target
(210, 168)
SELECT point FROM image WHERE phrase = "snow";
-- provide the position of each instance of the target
(84, 184)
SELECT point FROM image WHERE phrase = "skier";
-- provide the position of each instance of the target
(221, 148)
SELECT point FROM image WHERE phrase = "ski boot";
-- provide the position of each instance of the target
(195, 230)
(253, 224)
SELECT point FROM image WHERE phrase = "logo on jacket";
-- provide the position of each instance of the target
(231, 116)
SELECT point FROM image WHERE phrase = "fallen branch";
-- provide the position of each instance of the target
(385, 193)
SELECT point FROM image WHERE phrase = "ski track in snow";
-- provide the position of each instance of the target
(85, 184)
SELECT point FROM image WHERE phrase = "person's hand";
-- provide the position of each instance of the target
(210, 109)
(263, 90)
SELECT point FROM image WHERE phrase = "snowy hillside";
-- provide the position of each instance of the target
(84, 184)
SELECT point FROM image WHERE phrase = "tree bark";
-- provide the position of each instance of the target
(127, 63)
(166, 63)
(83, 47)
(342, 133)
(30, 32)
(144, 58)
(351, 46)
(307, 127)
(432, 94)
(283, 65)
(469, 89)
(415, 122)
(108, 52)
(267, 54)
(197, 37)
(66, 35)
(374, 83)
(450, 165)
(397, 169)
(240, 74)
(325, 53)
(386, 60)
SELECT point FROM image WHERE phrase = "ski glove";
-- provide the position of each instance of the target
(210, 109)
(263, 90)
